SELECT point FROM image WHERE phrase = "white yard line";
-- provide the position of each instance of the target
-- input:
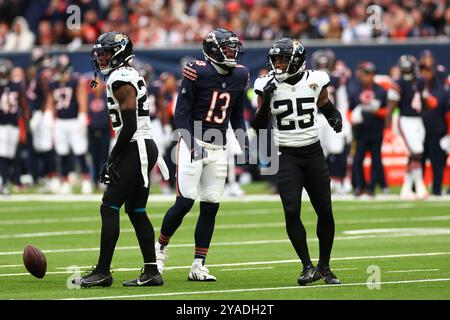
(11, 265)
(399, 231)
(190, 293)
(171, 198)
(407, 271)
(245, 269)
(265, 263)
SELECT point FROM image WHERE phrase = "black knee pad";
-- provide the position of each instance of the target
(184, 204)
(209, 208)
(108, 209)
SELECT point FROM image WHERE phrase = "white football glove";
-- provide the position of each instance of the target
(82, 121)
(445, 143)
(35, 120)
(356, 115)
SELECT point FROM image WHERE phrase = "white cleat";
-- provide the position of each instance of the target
(161, 256)
(86, 187)
(66, 188)
(200, 272)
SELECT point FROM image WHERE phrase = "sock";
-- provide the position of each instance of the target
(205, 228)
(295, 228)
(174, 216)
(146, 237)
(325, 233)
(163, 241)
(4, 171)
(83, 165)
(109, 236)
(65, 165)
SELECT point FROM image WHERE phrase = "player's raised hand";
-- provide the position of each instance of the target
(268, 90)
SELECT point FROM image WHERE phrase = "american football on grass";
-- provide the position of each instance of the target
(35, 262)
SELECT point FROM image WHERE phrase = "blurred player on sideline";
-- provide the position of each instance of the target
(12, 105)
(68, 99)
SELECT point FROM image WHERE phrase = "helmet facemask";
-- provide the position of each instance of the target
(223, 52)
(107, 57)
(294, 58)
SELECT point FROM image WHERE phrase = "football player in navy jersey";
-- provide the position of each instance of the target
(436, 119)
(68, 99)
(368, 105)
(405, 95)
(211, 96)
(12, 105)
(129, 164)
(290, 96)
(336, 146)
(41, 122)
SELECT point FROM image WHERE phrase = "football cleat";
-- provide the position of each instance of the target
(309, 274)
(200, 272)
(94, 279)
(145, 280)
(161, 256)
(328, 276)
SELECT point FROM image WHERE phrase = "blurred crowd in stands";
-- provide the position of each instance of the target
(159, 23)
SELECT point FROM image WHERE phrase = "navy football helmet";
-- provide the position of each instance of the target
(222, 47)
(324, 60)
(291, 53)
(6, 67)
(110, 51)
(60, 66)
(408, 67)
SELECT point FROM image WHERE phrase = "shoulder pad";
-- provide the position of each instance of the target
(321, 77)
(261, 82)
(123, 74)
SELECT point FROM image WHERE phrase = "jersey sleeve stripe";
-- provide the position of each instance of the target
(194, 75)
(189, 77)
(186, 68)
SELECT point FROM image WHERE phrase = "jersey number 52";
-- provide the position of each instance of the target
(290, 125)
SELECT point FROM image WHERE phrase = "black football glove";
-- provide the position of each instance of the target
(197, 152)
(336, 124)
(268, 90)
(109, 174)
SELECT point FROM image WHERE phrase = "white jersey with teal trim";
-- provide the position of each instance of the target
(294, 108)
(131, 76)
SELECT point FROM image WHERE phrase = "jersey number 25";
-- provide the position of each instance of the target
(304, 123)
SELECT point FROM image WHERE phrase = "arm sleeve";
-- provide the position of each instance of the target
(183, 109)
(129, 127)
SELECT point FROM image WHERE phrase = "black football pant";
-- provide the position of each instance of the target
(306, 167)
(130, 191)
(438, 159)
(371, 143)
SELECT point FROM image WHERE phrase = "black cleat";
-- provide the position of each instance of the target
(145, 280)
(94, 279)
(308, 275)
(328, 276)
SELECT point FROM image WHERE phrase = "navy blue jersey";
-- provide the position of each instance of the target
(98, 112)
(64, 98)
(373, 122)
(410, 104)
(334, 84)
(153, 91)
(434, 116)
(9, 103)
(212, 98)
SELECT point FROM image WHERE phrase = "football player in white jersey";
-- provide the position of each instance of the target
(126, 173)
(291, 96)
